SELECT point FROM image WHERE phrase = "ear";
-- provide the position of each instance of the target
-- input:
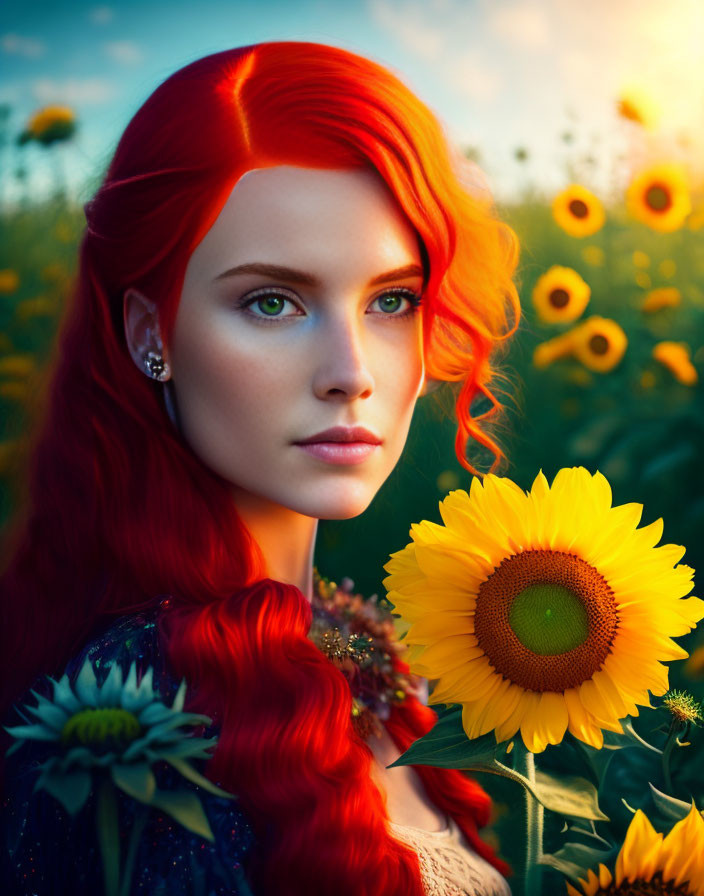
(142, 333)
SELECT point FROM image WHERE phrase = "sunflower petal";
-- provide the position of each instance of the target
(641, 838)
(463, 684)
(682, 854)
(519, 702)
(481, 716)
(581, 723)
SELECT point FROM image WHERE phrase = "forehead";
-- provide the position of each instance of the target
(309, 213)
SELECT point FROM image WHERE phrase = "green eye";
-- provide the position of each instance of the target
(271, 304)
(271, 300)
(392, 297)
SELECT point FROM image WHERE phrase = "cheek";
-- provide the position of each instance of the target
(227, 395)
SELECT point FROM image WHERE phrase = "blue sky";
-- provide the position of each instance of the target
(498, 73)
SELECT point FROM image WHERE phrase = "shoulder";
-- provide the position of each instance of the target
(107, 749)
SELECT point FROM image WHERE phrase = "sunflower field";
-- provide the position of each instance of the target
(603, 377)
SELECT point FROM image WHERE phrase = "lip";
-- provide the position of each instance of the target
(343, 434)
(340, 452)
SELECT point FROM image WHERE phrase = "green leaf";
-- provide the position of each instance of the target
(629, 738)
(575, 859)
(71, 789)
(136, 779)
(189, 772)
(567, 795)
(446, 745)
(673, 809)
(185, 807)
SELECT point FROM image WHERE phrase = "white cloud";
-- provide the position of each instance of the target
(411, 26)
(101, 15)
(73, 91)
(521, 24)
(470, 75)
(21, 46)
(125, 51)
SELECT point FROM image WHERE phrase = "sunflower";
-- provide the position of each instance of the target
(560, 295)
(649, 864)
(17, 365)
(636, 105)
(542, 611)
(578, 211)
(9, 281)
(599, 343)
(552, 350)
(675, 356)
(36, 307)
(49, 125)
(665, 297)
(659, 197)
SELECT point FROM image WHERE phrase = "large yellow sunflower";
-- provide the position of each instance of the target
(599, 343)
(578, 211)
(649, 864)
(542, 611)
(659, 197)
(560, 295)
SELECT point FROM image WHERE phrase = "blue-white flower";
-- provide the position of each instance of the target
(117, 731)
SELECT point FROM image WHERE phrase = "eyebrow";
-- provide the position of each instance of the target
(280, 272)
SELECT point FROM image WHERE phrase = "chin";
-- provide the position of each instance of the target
(340, 507)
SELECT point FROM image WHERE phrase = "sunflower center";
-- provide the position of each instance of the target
(104, 728)
(655, 886)
(658, 198)
(578, 208)
(598, 344)
(548, 619)
(559, 297)
(545, 619)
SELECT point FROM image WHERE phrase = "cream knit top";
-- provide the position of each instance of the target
(449, 866)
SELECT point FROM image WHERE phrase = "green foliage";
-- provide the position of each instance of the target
(637, 424)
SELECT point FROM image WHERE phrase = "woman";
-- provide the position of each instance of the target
(282, 244)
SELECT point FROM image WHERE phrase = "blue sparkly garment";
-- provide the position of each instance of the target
(47, 852)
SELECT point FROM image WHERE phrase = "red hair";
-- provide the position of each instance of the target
(118, 508)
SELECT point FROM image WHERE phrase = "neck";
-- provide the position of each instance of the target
(286, 538)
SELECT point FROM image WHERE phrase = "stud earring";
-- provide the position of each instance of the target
(156, 367)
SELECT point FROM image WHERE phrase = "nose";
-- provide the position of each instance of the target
(343, 367)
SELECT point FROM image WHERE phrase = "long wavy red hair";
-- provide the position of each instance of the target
(118, 509)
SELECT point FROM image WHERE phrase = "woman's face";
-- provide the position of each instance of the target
(263, 360)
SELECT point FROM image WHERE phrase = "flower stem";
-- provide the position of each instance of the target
(135, 834)
(108, 836)
(534, 823)
(666, 753)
